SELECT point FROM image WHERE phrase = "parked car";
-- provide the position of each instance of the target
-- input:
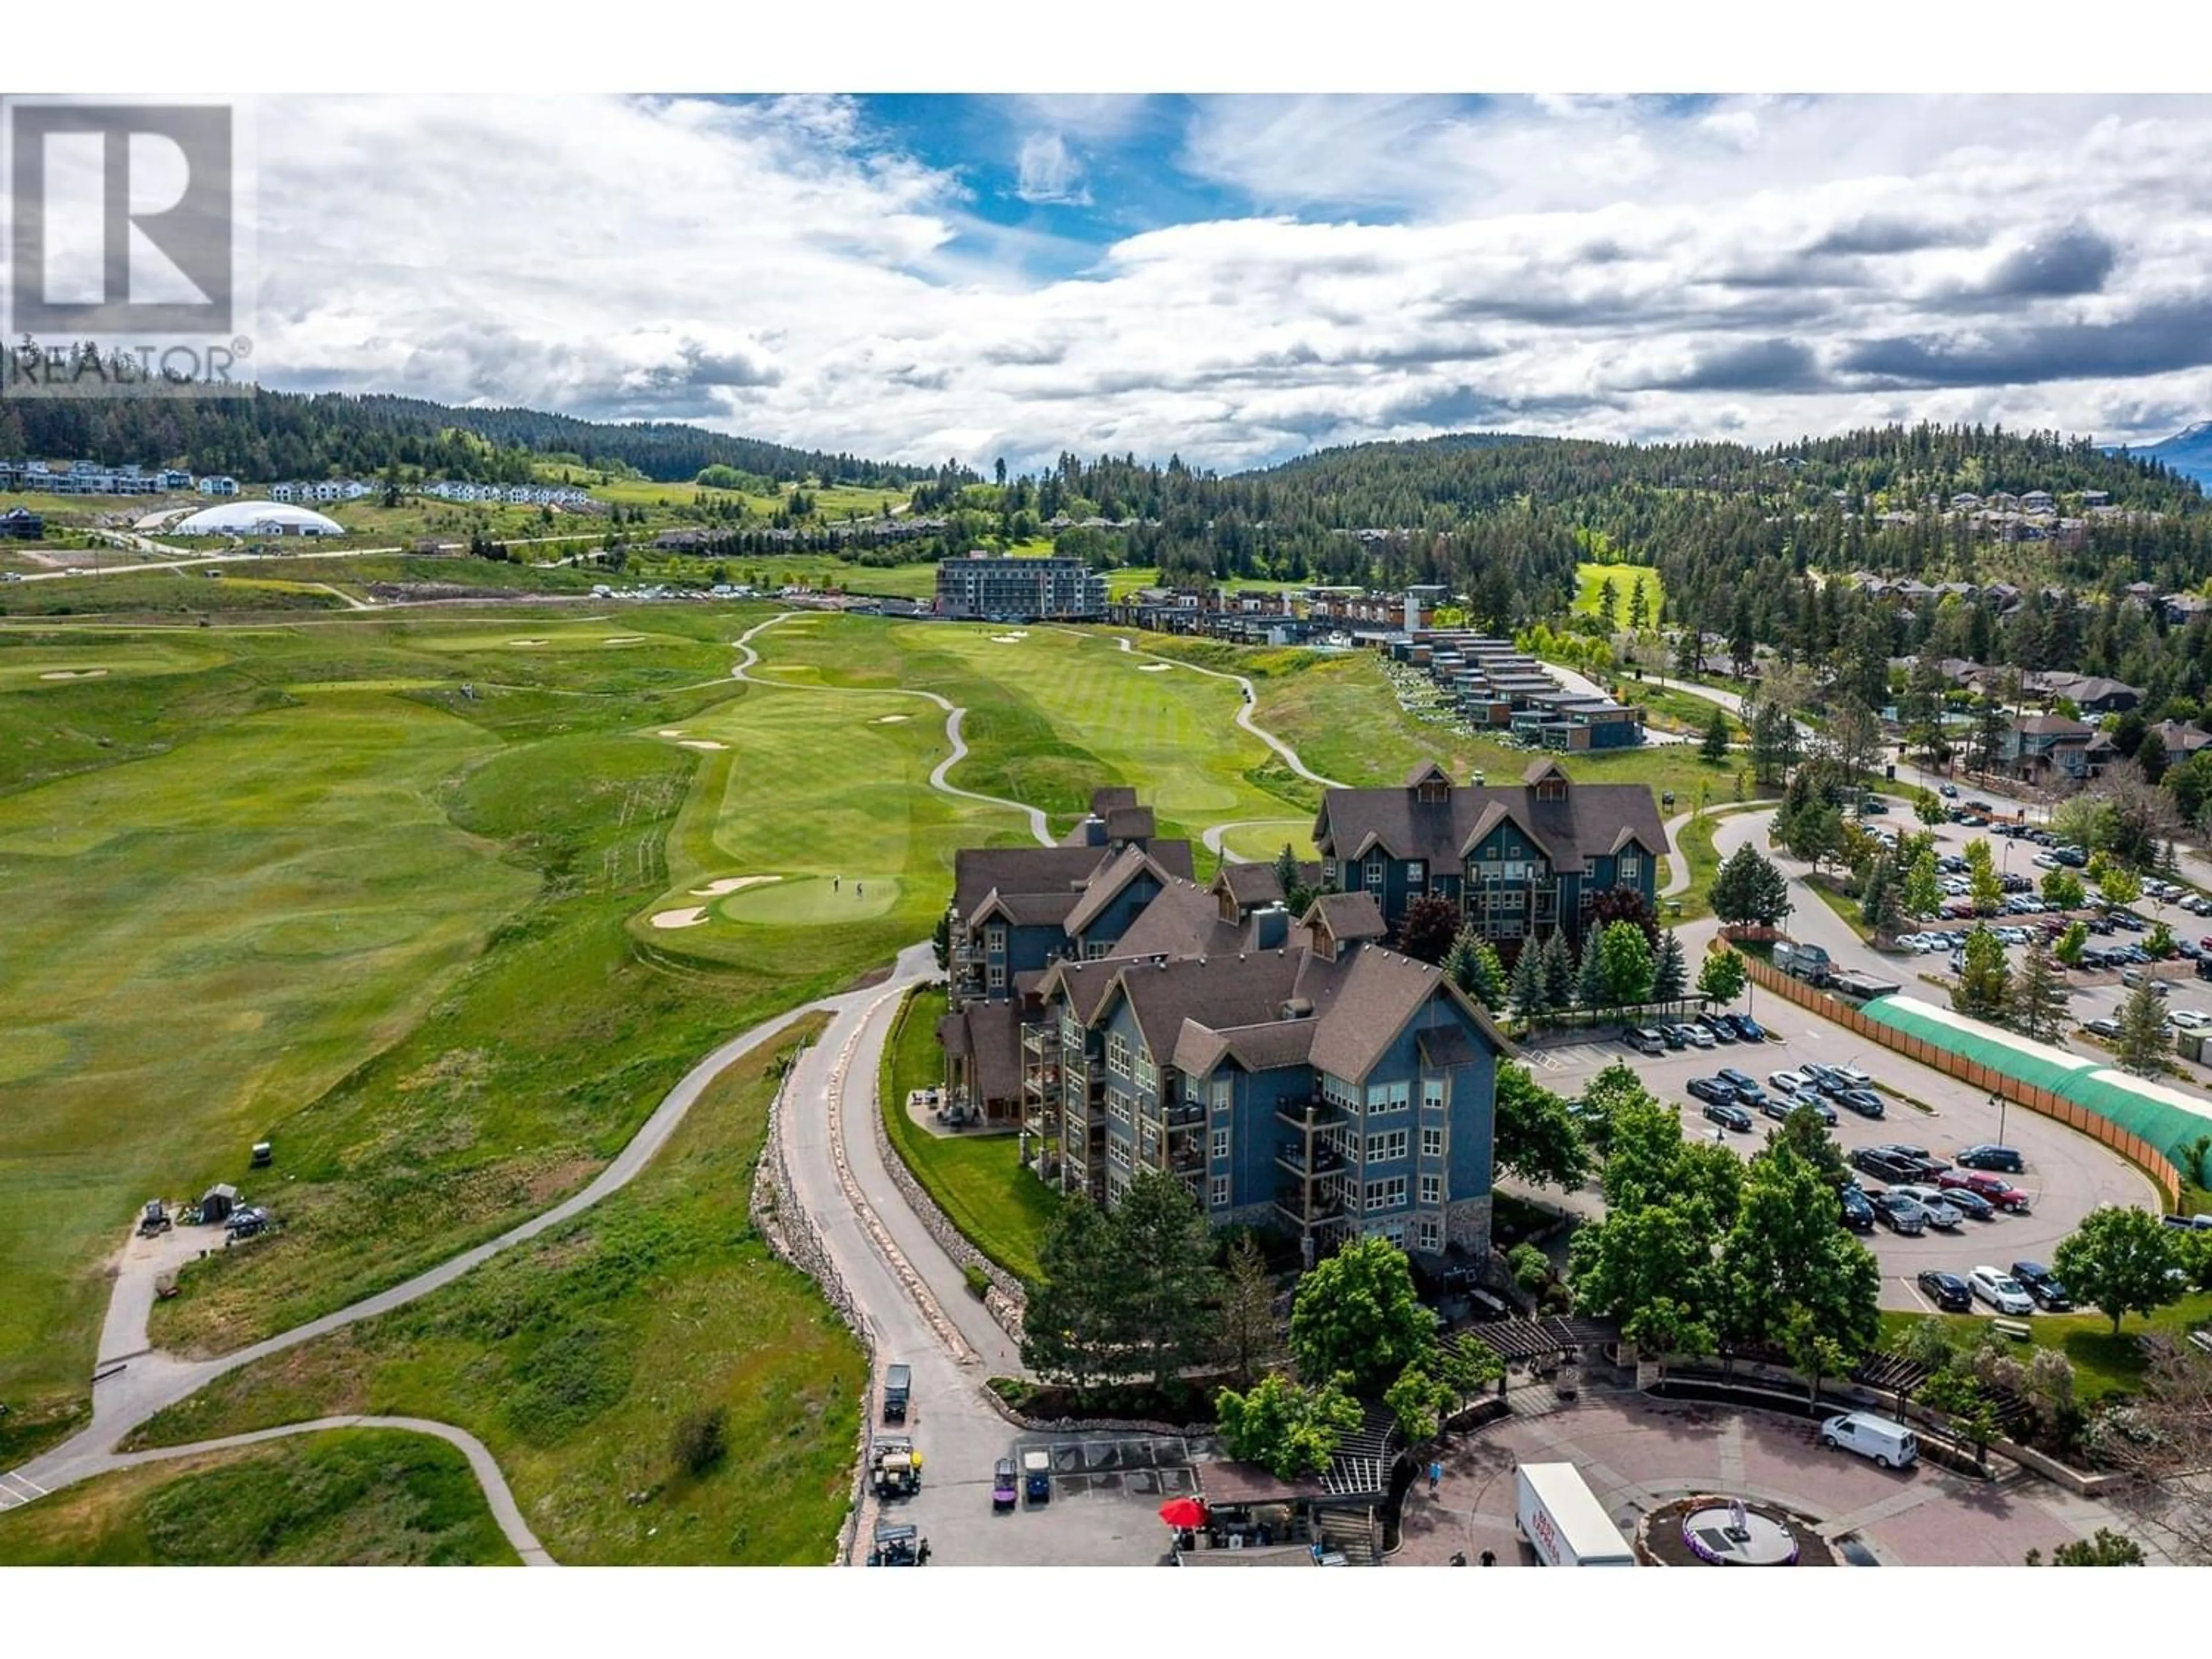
(2107, 1029)
(1746, 1028)
(1788, 1083)
(1965, 1199)
(2189, 1019)
(1948, 791)
(1746, 1086)
(2000, 1290)
(1647, 1040)
(1899, 1214)
(2042, 1286)
(1890, 1445)
(1004, 1493)
(1858, 1214)
(1930, 1166)
(1990, 1188)
(1729, 1117)
(1721, 1031)
(1696, 1036)
(1710, 1089)
(1947, 1291)
(1939, 1215)
(1864, 1102)
(1985, 1156)
(1880, 1164)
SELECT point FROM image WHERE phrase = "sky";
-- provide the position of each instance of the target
(1241, 279)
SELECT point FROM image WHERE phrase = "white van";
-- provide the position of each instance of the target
(1891, 1445)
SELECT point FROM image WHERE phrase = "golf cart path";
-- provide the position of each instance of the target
(497, 1493)
(1677, 861)
(1288, 754)
(954, 714)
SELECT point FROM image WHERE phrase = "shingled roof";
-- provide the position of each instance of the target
(1584, 822)
(1107, 883)
(980, 871)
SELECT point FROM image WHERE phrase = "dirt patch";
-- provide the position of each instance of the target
(689, 916)
(869, 980)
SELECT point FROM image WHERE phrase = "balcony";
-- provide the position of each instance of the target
(1293, 1156)
(1039, 1039)
(1189, 1115)
(1308, 1115)
(1305, 1210)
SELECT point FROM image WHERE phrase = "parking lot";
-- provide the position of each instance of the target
(1106, 1490)
(2066, 1175)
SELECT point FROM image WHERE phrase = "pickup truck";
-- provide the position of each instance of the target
(898, 1384)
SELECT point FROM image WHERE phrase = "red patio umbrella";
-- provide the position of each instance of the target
(1183, 1513)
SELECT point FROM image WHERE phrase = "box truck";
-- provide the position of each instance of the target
(1563, 1520)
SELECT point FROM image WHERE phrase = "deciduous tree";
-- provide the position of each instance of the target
(2118, 1261)
(1534, 1138)
(1287, 1429)
(1723, 976)
(1357, 1313)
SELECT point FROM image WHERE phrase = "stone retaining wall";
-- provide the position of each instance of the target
(1005, 1300)
(793, 1236)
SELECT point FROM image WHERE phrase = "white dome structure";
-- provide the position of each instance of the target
(256, 518)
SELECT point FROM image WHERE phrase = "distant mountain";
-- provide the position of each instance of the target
(2188, 452)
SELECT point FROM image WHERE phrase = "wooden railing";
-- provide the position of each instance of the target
(2075, 1116)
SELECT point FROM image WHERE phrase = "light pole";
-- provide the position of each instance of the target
(1999, 1102)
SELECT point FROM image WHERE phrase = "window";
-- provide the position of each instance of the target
(1388, 1097)
(1386, 1146)
(1428, 1234)
(1632, 868)
(994, 939)
(1220, 1147)
(1375, 872)
(1070, 1029)
(1432, 1189)
(1394, 1232)
(1117, 1107)
(1388, 1194)
(1433, 1094)
(1217, 1192)
(1417, 873)
(1117, 1054)
(1432, 1143)
(1095, 948)
(997, 976)
(1148, 1075)
(1221, 1094)
(1117, 1154)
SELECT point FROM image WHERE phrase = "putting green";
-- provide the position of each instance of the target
(811, 901)
(1264, 841)
(28, 667)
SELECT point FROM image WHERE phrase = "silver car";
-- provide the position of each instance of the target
(1931, 1201)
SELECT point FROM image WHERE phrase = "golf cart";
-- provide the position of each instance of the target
(898, 1546)
(1036, 1475)
(153, 1218)
(1004, 1493)
(897, 1472)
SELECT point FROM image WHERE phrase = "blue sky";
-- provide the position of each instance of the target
(1236, 279)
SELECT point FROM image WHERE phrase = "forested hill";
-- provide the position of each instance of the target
(274, 434)
(1505, 519)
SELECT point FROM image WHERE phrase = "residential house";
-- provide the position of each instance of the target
(21, 524)
(1518, 861)
(218, 485)
(2181, 740)
(2040, 749)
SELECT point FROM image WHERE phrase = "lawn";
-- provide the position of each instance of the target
(573, 1357)
(347, 1498)
(2103, 1363)
(977, 1181)
(1590, 579)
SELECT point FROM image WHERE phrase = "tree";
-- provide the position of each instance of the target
(2162, 1444)
(940, 941)
(1558, 965)
(2062, 890)
(2160, 943)
(2071, 944)
(2104, 1548)
(1670, 972)
(2144, 1043)
(1652, 1269)
(1805, 1136)
(1984, 987)
(2119, 1259)
(1722, 977)
(1624, 963)
(1960, 1397)
(1773, 741)
(1815, 835)
(1608, 603)
(1790, 1270)
(1357, 1313)
(1530, 1001)
(1430, 923)
(1985, 886)
(1296, 899)
(1922, 895)
(1589, 976)
(2038, 997)
(1250, 1335)
(1749, 891)
(1288, 1430)
(1928, 806)
(1534, 1137)
(1715, 747)
(1639, 607)
(1167, 1289)
(2117, 884)
(1882, 905)
(1419, 1402)
(1068, 1324)
(1472, 964)
(701, 1439)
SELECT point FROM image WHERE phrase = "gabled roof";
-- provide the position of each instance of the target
(1108, 800)
(1026, 910)
(1583, 824)
(1347, 917)
(979, 871)
(1129, 824)
(1108, 884)
(1184, 920)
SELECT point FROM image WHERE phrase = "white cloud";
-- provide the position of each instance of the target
(1764, 268)
(1049, 170)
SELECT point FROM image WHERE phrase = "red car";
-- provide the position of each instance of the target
(1995, 1189)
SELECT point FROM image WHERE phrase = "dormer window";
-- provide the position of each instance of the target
(1375, 871)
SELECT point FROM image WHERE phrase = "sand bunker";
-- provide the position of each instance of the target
(624, 639)
(1008, 638)
(730, 884)
(700, 743)
(689, 917)
(672, 732)
(74, 674)
(525, 641)
(1153, 668)
(889, 719)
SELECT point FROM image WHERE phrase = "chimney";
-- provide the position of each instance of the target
(1296, 1008)
(1271, 926)
(1412, 612)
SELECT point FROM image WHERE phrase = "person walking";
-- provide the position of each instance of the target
(1435, 1476)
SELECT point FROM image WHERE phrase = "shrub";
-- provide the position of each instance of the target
(979, 1282)
(699, 1440)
